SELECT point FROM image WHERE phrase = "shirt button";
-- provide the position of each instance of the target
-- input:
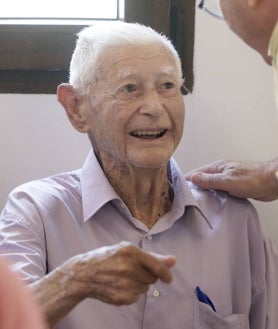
(156, 293)
(149, 237)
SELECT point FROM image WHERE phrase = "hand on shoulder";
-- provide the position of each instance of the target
(254, 180)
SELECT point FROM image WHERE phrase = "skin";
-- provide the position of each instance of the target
(136, 91)
(244, 180)
(253, 21)
(115, 275)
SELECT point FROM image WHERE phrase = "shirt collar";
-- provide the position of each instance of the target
(96, 188)
(186, 194)
(273, 45)
(94, 184)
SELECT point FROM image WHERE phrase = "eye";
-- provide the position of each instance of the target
(129, 88)
(168, 85)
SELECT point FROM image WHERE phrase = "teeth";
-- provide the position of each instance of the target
(147, 133)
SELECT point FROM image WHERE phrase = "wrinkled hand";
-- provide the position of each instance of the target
(116, 274)
(245, 180)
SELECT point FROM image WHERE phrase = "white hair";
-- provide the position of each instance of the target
(93, 40)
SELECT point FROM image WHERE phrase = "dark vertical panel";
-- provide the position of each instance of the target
(175, 26)
(155, 13)
(183, 32)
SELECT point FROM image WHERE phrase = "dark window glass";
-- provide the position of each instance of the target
(34, 58)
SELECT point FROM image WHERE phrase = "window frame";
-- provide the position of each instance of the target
(35, 58)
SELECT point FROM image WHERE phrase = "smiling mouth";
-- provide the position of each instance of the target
(146, 134)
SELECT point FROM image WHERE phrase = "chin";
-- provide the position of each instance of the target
(151, 157)
(150, 163)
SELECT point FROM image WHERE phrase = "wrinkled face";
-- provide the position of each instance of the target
(136, 109)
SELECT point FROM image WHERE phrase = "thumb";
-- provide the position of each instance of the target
(207, 181)
(168, 260)
(197, 178)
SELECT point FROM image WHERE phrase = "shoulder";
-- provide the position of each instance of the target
(49, 186)
(219, 198)
(220, 206)
(34, 198)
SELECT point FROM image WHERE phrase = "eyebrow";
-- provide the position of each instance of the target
(169, 70)
(126, 73)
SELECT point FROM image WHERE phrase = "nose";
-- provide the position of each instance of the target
(151, 103)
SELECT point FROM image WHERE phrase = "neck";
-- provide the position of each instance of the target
(146, 192)
(147, 199)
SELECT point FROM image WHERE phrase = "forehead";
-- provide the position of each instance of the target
(125, 60)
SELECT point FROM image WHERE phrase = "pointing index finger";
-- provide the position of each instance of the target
(158, 265)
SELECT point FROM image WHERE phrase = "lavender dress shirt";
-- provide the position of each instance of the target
(217, 240)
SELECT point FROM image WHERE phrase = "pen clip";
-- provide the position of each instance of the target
(203, 298)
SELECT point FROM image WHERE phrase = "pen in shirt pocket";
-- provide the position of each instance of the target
(203, 298)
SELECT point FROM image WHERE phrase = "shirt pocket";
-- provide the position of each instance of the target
(206, 318)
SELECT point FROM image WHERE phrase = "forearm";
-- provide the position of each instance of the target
(54, 296)
(115, 275)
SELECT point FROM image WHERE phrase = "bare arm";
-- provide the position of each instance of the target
(115, 275)
(245, 180)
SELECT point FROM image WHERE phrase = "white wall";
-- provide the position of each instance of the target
(231, 114)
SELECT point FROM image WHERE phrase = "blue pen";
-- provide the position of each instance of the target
(203, 298)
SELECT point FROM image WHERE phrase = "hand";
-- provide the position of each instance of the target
(243, 180)
(117, 274)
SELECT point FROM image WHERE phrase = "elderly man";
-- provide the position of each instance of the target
(256, 22)
(95, 244)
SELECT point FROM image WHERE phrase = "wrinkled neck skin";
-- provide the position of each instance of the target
(145, 191)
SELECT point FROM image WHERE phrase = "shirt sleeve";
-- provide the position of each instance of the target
(22, 238)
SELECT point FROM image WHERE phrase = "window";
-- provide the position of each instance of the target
(35, 11)
(34, 58)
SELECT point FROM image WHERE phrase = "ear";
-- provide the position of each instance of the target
(253, 3)
(71, 101)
